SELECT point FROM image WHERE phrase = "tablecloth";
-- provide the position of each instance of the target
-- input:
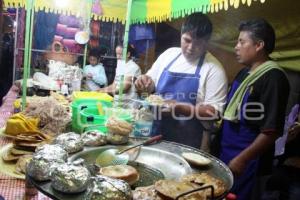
(10, 187)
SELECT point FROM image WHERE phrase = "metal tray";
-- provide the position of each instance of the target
(157, 161)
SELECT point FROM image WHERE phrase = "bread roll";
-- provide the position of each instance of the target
(123, 172)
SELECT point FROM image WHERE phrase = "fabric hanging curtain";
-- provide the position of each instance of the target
(142, 10)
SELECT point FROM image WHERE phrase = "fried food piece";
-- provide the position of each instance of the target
(123, 172)
(155, 100)
(204, 179)
(22, 163)
(172, 189)
(196, 159)
(146, 193)
(119, 127)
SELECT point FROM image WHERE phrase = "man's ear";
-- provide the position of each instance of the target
(260, 45)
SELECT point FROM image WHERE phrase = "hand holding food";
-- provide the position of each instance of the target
(144, 83)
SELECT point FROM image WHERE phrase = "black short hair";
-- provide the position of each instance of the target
(95, 53)
(199, 25)
(130, 49)
(260, 29)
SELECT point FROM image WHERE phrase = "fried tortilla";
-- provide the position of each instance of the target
(204, 179)
(146, 193)
(172, 189)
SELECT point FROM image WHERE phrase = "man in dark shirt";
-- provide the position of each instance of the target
(255, 113)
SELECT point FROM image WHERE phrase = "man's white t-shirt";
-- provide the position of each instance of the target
(213, 81)
(129, 69)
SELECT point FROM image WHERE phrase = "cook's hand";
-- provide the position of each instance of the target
(144, 83)
(294, 131)
(237, 166)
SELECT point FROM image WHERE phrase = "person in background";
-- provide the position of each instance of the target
(6, 56)
(94, 72)
(192, 80)
(129, 69)
(255, 112)
(284, 183)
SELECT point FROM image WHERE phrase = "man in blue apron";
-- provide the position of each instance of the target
(255, 112)
(192, 79)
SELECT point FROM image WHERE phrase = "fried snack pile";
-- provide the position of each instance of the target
(22, 149)
(53, 116)
(119, 127)
(155, 100)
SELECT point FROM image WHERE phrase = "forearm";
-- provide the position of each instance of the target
(125, 88)
(198, 110)
(258, 147)
(127, 85)
(109, 89)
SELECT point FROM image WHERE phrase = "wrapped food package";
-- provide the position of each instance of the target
(105, 188)
(52, 152)
(71, 142)
(94, 138)
(40, 168)
(45, 160)
(70, 178)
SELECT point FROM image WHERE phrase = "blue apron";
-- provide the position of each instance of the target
(179, 87)
(235, 138)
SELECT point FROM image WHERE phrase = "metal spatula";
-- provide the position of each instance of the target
(116, 157)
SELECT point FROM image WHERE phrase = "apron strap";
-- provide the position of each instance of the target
(171, 63)
(199, 65)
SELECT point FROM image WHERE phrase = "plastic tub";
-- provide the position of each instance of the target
(121, 113)
(81, 104)
(79, 95)
(90, 118)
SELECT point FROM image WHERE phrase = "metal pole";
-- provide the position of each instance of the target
(88, 24)
(26, 53)
(125, 44)
(30, 39)
(127, 25)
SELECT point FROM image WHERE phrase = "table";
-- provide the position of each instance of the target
(12, 188)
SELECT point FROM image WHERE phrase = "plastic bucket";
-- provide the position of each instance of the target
(81, 104)
(90, 119)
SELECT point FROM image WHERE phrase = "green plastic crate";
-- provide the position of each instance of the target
(81, 104)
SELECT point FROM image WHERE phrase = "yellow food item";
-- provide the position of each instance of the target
(100, 109)
(19, 123)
